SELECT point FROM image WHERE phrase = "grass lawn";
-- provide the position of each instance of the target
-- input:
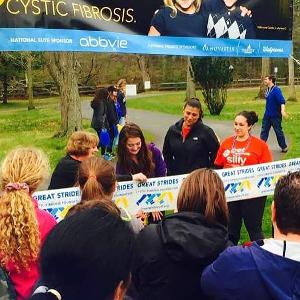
(18, 126)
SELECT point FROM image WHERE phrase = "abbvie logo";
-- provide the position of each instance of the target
(113, 44)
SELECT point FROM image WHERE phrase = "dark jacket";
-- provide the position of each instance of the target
(65, 173)
(199, 149)
(172, 254)
(122, 101)
(112, 115)
(266, 270)
(99, 119)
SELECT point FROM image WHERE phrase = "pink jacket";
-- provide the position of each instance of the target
(24, 280)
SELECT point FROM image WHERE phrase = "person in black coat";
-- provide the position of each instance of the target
(172, 254)
(112, 115)
(99, 119)
(189, 144)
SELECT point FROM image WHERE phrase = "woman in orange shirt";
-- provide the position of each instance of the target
(244, 149)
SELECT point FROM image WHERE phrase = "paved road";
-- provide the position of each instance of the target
(158, 123)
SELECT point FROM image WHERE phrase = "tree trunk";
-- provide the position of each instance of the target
(265, 71)
(291, 91)
(63, 68)
(190, 83)
(144, 70)
(29, 60)
(5, 90)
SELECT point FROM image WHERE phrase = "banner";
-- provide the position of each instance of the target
(161, 193)
(214, 28)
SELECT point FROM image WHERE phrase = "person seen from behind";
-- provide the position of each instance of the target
(268, 269)
(88, 255)
(172, 254)
(23, 226)
(97, 180)
(244, 149)
(99, 119)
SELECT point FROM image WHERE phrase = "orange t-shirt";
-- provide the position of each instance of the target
(233, 153)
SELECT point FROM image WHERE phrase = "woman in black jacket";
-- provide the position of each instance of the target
(189, 144)
(99, 106)
(173, 253)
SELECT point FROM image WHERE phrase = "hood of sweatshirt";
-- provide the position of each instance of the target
(188, 237)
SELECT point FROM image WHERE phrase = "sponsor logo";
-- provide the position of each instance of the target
(267, 49)
(248, 50)
(112, 44)
(224, 49)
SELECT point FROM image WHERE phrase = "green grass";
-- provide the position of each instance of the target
(20, 127)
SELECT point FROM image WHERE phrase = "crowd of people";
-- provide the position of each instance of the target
(100, 251)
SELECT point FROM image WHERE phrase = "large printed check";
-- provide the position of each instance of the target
(161, 193)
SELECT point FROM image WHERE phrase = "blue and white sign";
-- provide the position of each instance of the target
(258, 29)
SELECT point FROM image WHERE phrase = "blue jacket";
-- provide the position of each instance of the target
(255, 272)
(274, 99)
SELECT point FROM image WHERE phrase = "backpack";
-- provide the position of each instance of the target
(7, 290)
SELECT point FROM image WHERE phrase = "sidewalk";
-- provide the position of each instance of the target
(158, 123)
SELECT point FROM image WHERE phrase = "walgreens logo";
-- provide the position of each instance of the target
(99, 42)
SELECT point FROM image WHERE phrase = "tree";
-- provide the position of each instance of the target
(28, 73)
(143, 66)
(265, 71)
(63, 68)
(214, 74)
(11, 65)
(190, 83)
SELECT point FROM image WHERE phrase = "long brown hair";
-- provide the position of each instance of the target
(19, 231)
(144, 156)
(203, 191)
(96, 179)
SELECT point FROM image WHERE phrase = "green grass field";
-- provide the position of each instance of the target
(18, 126)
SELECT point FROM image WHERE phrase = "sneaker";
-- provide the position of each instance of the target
(107, 156)
(284, 150)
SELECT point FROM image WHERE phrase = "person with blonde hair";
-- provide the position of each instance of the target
(179, 18)
(23, 226)
(173, 253)
(81, 145)
(121, 99)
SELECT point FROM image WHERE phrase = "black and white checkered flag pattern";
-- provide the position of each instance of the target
(222, 26)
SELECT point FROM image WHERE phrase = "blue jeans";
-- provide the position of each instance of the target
(275, 122)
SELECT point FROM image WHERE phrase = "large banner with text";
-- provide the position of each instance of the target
(244, 28)
(161, 193)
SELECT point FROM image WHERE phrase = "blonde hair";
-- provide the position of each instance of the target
(171, 4)
(19, 231)
(121, 84)
(80, 142)
(203, 191)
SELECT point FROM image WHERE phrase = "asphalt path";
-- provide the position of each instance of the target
(158, 123)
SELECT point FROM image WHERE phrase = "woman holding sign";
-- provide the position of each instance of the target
(189, 144)
(135, 156)
(244, 149)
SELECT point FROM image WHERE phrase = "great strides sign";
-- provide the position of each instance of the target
(161, 193)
